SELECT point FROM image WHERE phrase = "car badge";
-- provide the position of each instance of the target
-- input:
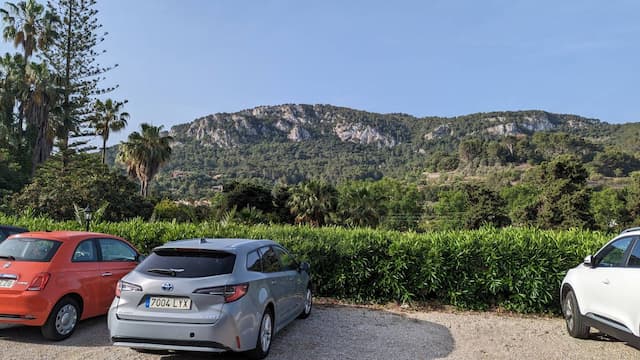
(167, 287)
(6, 266)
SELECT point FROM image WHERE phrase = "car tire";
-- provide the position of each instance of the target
(265, 337)
(62, 320)
(307, 305)
(573, 318)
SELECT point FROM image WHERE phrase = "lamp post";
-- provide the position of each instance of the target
(87, 217)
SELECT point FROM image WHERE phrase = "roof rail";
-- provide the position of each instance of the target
(637, 228)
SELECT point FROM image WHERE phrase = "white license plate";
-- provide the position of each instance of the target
(6, 283)
(155, 302)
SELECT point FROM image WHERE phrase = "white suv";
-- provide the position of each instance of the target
(604, 291)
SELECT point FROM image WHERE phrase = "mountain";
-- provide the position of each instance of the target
(294, 142)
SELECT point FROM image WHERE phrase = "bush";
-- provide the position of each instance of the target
(517, 269)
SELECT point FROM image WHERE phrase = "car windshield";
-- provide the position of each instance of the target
(187, 263)
(28, 249)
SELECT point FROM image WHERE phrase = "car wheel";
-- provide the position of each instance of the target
(62, 321)
(308, 303)
(573, 318)
(265, 335)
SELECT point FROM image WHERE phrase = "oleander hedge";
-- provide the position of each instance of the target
(516, 269)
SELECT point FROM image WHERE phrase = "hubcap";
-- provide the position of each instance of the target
(265, 338)
(307, 302)
(66, 319)
(568, 313)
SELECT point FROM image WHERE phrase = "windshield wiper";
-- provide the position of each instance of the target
(171, 272)
(10, 257)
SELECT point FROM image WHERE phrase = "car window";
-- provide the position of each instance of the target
(634, 258)
(187, 263)
(85, 252)
(287, 262)
(270, 262)
(116, 250)
(3, 235)
(254, 262)
(613, 254)
(28, 249)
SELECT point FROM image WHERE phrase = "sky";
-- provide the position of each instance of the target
(182, 59)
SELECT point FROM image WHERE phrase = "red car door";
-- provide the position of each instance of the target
(117, 259)
(84, 273)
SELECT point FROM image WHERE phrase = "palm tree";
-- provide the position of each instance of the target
(108, 117)
(313, 202)
(144, 153)
(28, 25)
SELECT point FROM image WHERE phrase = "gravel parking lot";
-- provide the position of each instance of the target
(346, 332)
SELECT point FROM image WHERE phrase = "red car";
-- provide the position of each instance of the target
(54, 279)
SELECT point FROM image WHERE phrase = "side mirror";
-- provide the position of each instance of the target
(304, 266)
(140, 257)
(590, 261)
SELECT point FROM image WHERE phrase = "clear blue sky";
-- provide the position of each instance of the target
(182, 59)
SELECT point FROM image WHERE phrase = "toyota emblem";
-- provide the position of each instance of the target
(167, 286)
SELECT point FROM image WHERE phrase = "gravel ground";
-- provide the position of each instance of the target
(346, 332)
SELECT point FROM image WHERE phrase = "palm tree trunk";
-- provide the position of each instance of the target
(104, 149)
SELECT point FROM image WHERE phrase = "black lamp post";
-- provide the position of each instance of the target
(87, 217)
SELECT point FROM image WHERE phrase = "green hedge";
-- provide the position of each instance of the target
(515, 269)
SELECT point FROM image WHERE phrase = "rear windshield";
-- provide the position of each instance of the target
(28, 249)
(187, 263)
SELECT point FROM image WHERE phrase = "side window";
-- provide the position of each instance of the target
(287, 262)
(634, 259)
(613, 254)
(270, 262)
(86, 251)
(116, 250)
(254, 262)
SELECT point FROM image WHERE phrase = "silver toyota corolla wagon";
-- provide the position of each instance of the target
(210, 295)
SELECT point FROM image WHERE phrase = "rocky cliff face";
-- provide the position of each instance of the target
(301, 123)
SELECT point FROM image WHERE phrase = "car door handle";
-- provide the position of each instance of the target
(273, 282)
(106, 274)
(605, 281)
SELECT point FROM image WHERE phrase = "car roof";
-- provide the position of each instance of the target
(61, 235)
(232, 245)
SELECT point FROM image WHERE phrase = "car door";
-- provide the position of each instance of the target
(277, 283)
(117, 259)
(295, 293)
(624, 299)
(84, 273)
(604, 281)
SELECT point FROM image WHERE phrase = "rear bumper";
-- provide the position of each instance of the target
(24, 308)
(223, 335)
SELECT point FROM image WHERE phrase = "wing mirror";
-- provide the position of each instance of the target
(590, 261)
(304, 266)
(140, 257)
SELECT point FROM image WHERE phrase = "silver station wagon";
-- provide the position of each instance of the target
(210, 295)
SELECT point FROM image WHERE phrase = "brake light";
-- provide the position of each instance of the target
(230, 292)
(39, 282)
(126, 286)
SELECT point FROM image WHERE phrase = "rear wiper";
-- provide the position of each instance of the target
(171, 272)
(10, 257)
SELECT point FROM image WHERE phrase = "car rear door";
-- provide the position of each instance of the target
(291, 276)
(117, 259)
(277, 282)
(624, 296)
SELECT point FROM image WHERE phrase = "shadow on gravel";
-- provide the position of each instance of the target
(331, 332)
(95, 327)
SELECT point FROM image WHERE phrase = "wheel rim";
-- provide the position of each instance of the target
(66, 319)
(307, 302)
(265, 337)
(568, 313)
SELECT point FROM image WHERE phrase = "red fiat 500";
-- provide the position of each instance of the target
(55, 279)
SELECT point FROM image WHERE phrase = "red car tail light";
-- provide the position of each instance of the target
(39, 282)
(230, 292)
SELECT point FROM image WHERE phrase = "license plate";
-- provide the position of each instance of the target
(155, 302)
(6, 283)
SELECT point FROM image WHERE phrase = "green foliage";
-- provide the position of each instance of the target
(85, 182)
(172, 211)
(515, 269)
(616, 163)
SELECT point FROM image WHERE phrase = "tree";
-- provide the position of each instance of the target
(144, 153)
(313, 202)
(73, 58)
(359, 205)
(108, 117)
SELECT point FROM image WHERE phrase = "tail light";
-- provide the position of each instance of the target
(126, 286)
(230, 292)
(39, 282)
